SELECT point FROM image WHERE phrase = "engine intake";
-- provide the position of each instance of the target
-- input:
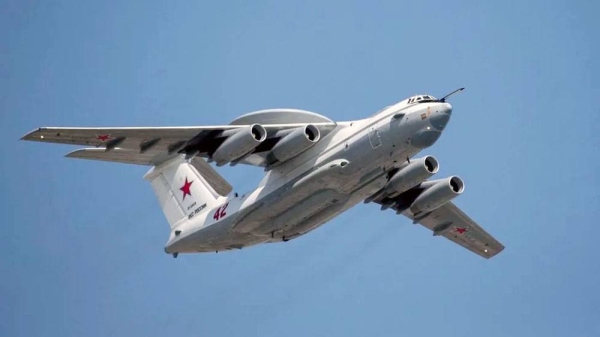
(412, 175)
(437, 193)
(242, 142)
(296, 142)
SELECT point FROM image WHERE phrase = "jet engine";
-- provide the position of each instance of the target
(437, 193)
(296, 142)
(242, 142)
(409, 176)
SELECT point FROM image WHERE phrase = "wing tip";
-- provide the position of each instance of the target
(495, 252)
(34, 135)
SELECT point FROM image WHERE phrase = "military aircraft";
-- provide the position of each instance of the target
(315, 169)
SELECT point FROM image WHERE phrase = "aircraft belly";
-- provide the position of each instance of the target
(291, 216)
(314, 221)
(328, 177)
(310, 222)
(296, 218)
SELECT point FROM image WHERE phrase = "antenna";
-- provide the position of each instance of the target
(443, 99)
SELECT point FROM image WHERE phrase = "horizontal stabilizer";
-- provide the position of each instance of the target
(212, 177)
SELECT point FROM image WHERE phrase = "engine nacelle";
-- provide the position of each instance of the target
(242, 142)
(437, 193)
(412, 175)
(298, 141)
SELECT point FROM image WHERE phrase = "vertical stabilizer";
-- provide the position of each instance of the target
(181, 190)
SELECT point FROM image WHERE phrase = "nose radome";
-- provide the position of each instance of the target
(442, 114)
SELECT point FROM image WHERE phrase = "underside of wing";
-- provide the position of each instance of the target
(250, 139)
(453, 224)
(145, 140)
(428, 203)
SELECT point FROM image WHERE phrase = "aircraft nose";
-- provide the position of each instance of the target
(446, 108)
(441, 116)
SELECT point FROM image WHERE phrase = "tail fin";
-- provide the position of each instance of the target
(181, 191)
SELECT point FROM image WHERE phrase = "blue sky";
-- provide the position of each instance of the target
(82, 241)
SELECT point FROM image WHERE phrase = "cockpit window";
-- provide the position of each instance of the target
(421, 99)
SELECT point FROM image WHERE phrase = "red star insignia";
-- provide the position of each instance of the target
(186, 188)
(460, 230)
(103, 138)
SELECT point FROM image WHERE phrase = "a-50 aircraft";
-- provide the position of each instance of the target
(315, 169)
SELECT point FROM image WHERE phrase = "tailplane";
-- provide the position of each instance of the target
(181, 190)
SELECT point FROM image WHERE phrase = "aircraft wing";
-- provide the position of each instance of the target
(154, 145)
(453, 224)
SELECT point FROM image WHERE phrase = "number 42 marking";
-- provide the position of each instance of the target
(220, 212)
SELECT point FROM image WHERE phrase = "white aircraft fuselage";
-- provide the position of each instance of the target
(316, 169)
(346, 166)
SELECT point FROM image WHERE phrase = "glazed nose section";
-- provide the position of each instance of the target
(441, 116)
